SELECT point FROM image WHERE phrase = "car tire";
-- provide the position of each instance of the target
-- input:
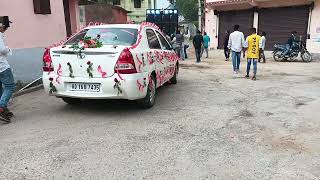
(72, 101)
(174, 79)
(150, 98)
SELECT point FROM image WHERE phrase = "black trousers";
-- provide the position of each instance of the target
(198, 54)
(262, 56)
(226, 52)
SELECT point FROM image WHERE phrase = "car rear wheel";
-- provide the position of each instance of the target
(72, 101)
(150, 98)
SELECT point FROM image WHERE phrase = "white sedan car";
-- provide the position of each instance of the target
(124, 61)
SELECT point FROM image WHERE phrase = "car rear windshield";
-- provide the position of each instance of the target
(108, 36)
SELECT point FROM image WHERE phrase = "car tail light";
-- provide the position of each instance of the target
(125, 63)
(47, 61)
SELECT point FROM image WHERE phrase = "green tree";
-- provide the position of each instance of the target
(189, 9)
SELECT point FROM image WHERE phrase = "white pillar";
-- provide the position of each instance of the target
(199, 14)
(256, 20)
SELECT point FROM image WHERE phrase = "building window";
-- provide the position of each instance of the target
(116, 2)
(137, 3)
(42, 6)
(153, 40)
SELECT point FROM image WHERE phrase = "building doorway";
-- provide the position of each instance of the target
(227, 19)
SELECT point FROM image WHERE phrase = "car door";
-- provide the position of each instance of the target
(155, 50)
(168, 57)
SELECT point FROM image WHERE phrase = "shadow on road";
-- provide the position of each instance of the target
(116, 106)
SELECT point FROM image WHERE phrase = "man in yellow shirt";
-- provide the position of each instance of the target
(252, 46)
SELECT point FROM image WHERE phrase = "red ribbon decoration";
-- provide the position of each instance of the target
(140, 86)
(140, 63)
(143, 25)
(59, 71)
(149, 56)
(103, 74)
(120, 76)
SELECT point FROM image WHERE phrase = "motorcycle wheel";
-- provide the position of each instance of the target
(277, 56)
(306, 56)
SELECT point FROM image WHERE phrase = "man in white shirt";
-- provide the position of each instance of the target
(6, 76)
(186, 36)
(262, 47)
(236, 44)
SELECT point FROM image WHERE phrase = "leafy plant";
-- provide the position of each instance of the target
(90, 69)
(70, 70)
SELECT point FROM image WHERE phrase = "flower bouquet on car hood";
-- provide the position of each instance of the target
(87, 42)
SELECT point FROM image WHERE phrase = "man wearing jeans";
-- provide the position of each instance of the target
(236, 42)
(252, 44)
(6, 77)
(206, 42)
(262, 47)
(197, 43)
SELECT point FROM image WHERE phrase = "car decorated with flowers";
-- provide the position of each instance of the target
(124, 61)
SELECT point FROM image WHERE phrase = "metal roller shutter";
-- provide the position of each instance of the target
(278, 23)
(227, 19)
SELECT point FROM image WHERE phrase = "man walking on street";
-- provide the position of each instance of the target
(178, 40)
(186, 36)
(225, 45)
(206, 42)
(262, 47)
(6, 77)
(236, 42)
(197, 43)
(252, 44)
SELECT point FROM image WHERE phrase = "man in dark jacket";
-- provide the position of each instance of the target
(292, 39)
(225, 45)
(197, 43)
(178, 40)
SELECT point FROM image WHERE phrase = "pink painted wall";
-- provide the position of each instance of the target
(313, 44)
(31, 30)
(212, 27)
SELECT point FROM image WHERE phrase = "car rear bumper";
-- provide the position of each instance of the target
(132, 86)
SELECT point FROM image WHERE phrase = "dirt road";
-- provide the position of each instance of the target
(210, 125)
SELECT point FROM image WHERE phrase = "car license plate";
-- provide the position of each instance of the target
(87, 87)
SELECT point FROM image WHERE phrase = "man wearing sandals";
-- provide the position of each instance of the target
(6, 77)
(252, 45)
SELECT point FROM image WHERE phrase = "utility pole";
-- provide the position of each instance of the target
(199, 14)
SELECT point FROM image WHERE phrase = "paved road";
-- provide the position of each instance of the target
(210, 125)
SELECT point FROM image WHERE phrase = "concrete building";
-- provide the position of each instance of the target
(36, 25)
(136, 8)
(276, 17)
(106, 13)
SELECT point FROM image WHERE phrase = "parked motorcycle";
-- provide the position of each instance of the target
(298, 47)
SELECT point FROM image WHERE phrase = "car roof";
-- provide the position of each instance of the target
(132, 26)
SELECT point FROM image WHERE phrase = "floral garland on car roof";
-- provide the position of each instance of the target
(87, 42)
(67, 38)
